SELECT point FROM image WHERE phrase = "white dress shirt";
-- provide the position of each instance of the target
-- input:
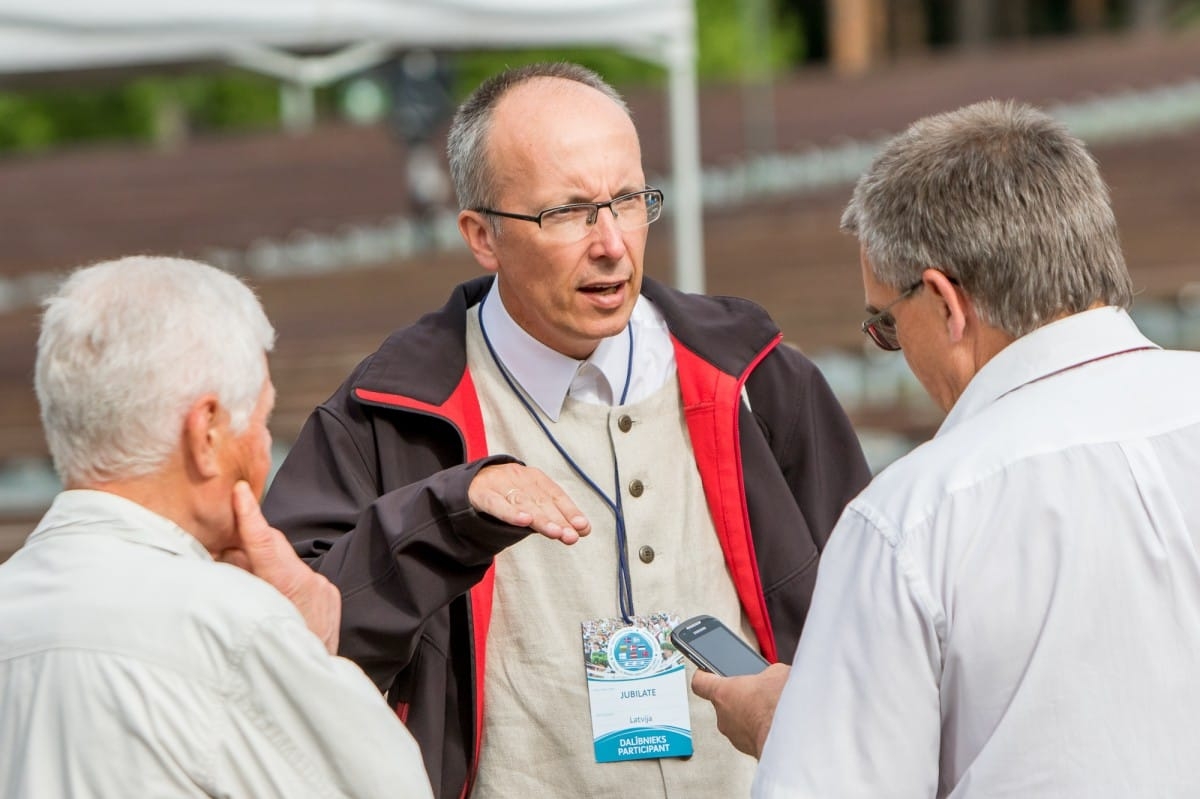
(548, 376)
(132, 665)
(1013, 609)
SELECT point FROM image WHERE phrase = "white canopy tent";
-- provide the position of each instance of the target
(353, 35)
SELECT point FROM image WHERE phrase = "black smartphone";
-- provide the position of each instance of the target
(714, 647)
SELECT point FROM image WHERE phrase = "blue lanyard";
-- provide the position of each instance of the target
(624, 579)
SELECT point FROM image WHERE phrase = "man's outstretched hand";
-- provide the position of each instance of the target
(265, 552)
(526, 497)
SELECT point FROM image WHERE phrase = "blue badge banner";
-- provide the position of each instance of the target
(643, 742)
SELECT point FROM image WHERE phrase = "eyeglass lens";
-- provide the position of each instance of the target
(883, 332)
(881, 327)
(630, 212)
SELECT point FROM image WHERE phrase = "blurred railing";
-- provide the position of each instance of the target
(892, 413)
(1118, 117)
(890, 410)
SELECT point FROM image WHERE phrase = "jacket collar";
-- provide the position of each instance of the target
(426, 360)
(728, 332)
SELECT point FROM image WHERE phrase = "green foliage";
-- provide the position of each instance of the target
(232, 100)
(720, 42)
(145, 108)
(1186, 14)
(23, 125)
(34, 120)
(42, 118)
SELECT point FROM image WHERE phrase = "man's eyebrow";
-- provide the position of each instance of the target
(579, 199)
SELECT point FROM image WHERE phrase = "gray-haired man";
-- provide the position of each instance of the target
(1014, 608)
(131, 663)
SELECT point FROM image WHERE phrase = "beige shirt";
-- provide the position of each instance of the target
(132, 665)
(537, 739)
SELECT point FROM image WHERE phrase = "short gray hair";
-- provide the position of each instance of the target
(466, 145)
(1002, 198)
(127, 346)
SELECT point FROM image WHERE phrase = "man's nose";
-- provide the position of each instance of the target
(607, 233)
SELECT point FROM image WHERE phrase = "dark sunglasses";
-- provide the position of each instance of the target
(881, 327)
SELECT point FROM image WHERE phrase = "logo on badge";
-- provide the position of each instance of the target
(633, 651)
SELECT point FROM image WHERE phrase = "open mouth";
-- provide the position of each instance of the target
(603, 288)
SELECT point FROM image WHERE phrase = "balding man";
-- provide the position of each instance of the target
(707, 461)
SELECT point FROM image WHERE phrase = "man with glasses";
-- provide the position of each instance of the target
(880, 326)
(707, 462)
(1013, 609)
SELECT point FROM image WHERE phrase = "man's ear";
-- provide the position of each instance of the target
(956, 305)
(476, 230)
(203, 436)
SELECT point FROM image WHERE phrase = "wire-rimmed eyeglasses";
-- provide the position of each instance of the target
(573, 222)
(880, 327)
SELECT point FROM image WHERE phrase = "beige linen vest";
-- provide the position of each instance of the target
(537, 737)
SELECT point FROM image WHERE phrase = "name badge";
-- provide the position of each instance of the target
(637, 688)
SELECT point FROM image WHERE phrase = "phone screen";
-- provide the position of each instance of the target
(713, 646)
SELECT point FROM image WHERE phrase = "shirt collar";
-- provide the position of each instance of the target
(101, 513)
(1063, 344)
(545, 374)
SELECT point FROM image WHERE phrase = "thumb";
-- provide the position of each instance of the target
(704, 684)
(257, 537)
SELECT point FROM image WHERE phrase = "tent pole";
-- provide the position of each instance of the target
(686, 198)
(297, 107)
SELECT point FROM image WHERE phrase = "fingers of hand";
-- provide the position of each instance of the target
(266, 553)
(524, 496)
(554, 516)
(325, 616)
(560, 518)
(320, 603)
(235, 557)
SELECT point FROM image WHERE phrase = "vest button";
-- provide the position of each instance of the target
(636, 488)
(646, 554)
(624, 423)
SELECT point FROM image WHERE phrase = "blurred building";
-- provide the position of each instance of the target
(857, 35)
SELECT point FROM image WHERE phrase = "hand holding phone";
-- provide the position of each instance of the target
(714, 647)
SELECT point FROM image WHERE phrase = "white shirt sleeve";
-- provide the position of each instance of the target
(304, 723)
(860, 714)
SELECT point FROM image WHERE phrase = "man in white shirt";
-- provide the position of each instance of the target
(132, 663)
(1013, 609)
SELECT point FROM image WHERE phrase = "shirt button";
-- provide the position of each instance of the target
(646, 554)
(624, 423)
(636, 488)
